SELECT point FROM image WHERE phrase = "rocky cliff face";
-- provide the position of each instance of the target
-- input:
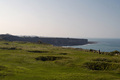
(53, 41)
(64, 41)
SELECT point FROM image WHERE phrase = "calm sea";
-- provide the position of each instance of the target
(106, 45)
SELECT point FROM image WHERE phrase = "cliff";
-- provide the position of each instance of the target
(53, 41)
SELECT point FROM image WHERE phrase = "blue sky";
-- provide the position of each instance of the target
(61, 18)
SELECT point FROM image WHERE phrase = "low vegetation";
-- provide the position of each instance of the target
(50, 58)
(38, 61)
(38, 51)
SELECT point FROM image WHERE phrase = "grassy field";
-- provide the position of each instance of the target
(31, 61)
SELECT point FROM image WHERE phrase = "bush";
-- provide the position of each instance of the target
(91, 50)
(9, 48)
(115, 51)
(37, 51)
(101, 65)
(50, 58)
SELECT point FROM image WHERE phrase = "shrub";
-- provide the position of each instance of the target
(101, 66)
(37, 51)
(50, 58)
(114, 53)
(9, 48)
(91, 50)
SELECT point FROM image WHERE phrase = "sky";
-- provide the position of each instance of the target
(61, 18)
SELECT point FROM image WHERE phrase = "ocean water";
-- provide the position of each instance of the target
(105, 45)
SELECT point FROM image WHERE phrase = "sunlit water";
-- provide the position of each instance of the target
(106, 45)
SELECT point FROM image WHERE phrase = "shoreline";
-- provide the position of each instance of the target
(91, 49)
(111, 53)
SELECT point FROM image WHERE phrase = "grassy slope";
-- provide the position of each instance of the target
(19, 64)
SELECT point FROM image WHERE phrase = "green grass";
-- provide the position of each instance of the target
(30, 61)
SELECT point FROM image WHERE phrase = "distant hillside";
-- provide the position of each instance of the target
(53, 41)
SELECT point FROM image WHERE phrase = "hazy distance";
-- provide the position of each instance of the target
(61, 18)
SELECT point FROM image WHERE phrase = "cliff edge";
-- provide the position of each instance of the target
(48, 40)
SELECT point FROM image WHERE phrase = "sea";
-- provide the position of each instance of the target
(104, 45)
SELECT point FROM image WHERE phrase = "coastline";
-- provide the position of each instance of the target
(111, 53)
(100, 44)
